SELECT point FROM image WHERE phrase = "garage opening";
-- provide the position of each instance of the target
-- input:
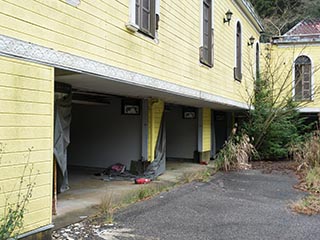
(222, 126)
(95, 133)
(182, 132)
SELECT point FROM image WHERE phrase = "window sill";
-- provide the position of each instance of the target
(304, 100)
(207, 65)
(135, 30)
(237, 75)
(132, 27)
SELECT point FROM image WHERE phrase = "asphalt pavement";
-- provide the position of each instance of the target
(237, 205)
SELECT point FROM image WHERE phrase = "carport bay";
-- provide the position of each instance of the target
(103, 133)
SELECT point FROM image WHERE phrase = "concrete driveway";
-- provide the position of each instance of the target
(238, 205)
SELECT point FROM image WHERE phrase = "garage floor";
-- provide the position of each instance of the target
(87, 190)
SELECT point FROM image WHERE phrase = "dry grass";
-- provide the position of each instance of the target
(307, 155)
(236, 154)
(199, 176)
(107, 208)
(309, 205)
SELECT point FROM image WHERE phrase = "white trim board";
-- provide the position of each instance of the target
(20, 49)
(309, 110)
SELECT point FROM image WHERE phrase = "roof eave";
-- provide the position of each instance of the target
(248, 9)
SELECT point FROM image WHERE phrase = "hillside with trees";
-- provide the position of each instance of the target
(279, 16)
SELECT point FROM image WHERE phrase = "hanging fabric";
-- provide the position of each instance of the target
(62, 115)
(158, 165)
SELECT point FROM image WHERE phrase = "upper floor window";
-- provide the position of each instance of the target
(302, 78)
(257, 61)
(146, 16)
(206, 50)
(238, 68)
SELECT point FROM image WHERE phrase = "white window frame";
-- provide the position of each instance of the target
(294, 76)
(131, 24)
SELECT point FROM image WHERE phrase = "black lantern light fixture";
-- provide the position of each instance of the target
(251, 41)
(228, 17)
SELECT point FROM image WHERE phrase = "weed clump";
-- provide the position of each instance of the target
(307, 154)
(107, 208)
(12, 220)
(236, 153)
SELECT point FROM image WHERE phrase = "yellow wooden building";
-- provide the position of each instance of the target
(127, 63)
(293, 58)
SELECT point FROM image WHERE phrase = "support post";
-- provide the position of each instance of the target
(204, 135)
(155, 112)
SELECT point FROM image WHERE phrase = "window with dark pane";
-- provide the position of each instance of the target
(206, 51)
(302, 80)
(238, 68)
(257, 61)
(146, 16)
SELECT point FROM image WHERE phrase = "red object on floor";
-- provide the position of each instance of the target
(142, 180)
(203, 163)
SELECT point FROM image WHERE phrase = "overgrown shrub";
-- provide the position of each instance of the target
(307, 152)
(273, 120)
(236, 153)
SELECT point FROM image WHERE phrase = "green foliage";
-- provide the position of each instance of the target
(199, 176)
(268, 8)
(12, 220)
(279, 16)
(273, 122)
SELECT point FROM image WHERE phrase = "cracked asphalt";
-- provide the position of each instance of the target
(236, 205)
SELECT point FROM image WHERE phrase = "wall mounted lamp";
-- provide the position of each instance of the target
(228, 17)
(251, 41)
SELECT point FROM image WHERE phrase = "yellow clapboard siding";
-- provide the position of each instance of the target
(24, 107)
(38, 192)
(16, 158)
(12, 67)
(25, 95)
(11, 172)
(37, 218)
(26, 135)
(11, 133)
(36, 225)
(24, 145)
(16, 120)
(23, 82)
(76, 30)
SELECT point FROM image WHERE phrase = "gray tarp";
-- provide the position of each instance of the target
(158, 166)
(62, 118)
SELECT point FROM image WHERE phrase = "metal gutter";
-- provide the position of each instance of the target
(295, 40)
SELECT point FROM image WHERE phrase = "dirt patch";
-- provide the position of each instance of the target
(278, 166)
